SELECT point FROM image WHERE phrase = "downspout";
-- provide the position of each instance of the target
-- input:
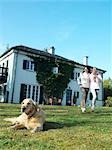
(103, 100)
(15, 68)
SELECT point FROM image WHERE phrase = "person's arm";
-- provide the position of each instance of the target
(99, 77)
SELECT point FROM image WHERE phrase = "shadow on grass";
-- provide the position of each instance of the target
(57, 125)
(52, 125)
(88, 118)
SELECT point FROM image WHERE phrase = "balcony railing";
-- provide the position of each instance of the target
(3, 74)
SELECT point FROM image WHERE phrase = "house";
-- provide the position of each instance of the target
(18, 76)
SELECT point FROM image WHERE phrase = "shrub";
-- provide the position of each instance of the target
(109, 101)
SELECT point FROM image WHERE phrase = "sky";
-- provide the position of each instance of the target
(76, 28)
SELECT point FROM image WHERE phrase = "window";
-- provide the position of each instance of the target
(28, 65)
(77, 74)
(29, 91)
(3, 71)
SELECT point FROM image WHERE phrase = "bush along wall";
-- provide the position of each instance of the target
(109, 101)
(53, 84)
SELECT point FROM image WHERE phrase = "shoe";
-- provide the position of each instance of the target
(92, 110)
(83, 109)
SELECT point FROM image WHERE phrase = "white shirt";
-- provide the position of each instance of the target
(84, 80)
(95, 81)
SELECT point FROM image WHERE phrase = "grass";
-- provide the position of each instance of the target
(66, 128)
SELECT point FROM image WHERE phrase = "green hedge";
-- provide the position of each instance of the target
(109, 101)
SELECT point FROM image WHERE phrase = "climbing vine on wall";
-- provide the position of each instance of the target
(53, 84)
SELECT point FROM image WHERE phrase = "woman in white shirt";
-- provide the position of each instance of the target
(95, 79)
(84, 82)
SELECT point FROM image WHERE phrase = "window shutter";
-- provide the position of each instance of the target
(23, 92)
(24, 64)
(72, 75)
(77, 94)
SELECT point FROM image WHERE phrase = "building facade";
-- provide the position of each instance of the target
(18, 77)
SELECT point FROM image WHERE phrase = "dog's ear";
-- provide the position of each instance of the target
(23, 101)
(36, 106)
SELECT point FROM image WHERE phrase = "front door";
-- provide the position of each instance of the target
(68, 97)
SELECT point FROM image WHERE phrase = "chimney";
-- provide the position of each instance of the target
(51, 50)
(85, 60)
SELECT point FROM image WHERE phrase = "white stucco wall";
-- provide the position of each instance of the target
(23, 76)
(17, 75)
(10, 57)
(74, 87)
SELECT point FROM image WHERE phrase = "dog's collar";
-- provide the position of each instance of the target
(30, 114)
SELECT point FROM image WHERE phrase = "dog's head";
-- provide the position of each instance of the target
(28, 106)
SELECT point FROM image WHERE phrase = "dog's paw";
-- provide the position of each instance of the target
(12, 127)
(38, 129)
(32, 131)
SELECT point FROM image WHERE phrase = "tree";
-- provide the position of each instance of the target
(53, 84)
(107, 88)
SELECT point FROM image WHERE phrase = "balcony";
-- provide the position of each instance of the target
(3, 75)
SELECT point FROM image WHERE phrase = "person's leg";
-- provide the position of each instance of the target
(94, 99)
(97, 91)
(86, 90)
(83, 105)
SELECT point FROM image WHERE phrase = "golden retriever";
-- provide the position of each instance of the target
(32, 117)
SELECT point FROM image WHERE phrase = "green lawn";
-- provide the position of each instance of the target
(66, 128)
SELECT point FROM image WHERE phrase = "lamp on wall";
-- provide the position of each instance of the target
(56, 67)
